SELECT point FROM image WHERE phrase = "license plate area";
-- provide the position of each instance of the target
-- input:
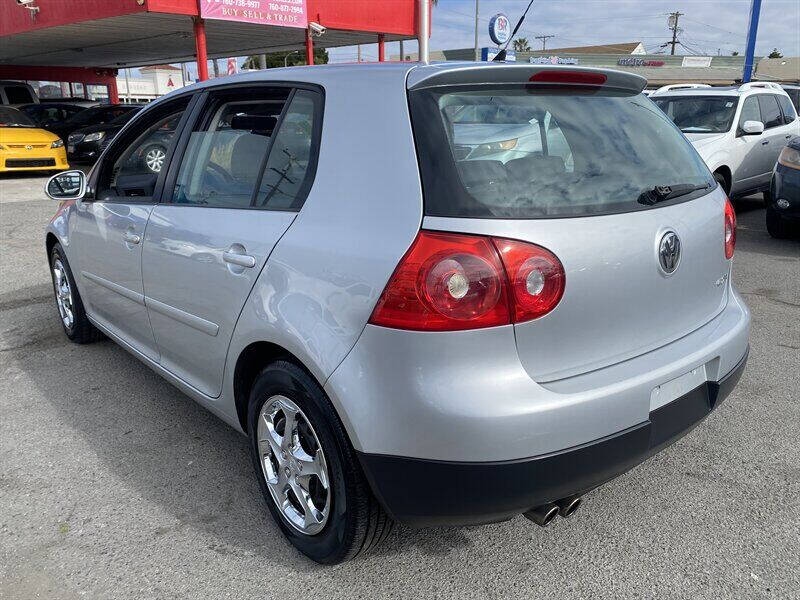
(667, 392)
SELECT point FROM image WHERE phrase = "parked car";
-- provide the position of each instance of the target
(794, 94)
(96, 115)
(47, 115)
(13, 93)
(26, 147)
(738, 131)
(405, 334)
(86, 144)
(783, 209)
(73, 100)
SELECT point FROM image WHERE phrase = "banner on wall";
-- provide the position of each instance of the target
(281, 13)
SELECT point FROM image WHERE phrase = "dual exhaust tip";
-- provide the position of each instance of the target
(543, 515)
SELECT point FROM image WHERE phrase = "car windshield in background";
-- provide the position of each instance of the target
(10, 117)
(700, 114)
(123, 118)
(524, 153)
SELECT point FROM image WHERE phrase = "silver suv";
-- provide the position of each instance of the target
(414, 314)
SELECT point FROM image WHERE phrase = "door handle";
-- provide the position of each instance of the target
(131, 237)
(788, 135)
(765, 142)
(233, 257)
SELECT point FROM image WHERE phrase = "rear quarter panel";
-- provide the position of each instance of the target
(326, 273)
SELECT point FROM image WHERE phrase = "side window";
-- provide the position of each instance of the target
(770, 110)
(789, 114)
(222, 163)
(134, 168)
(289, 171)
(750, 110)
(18, 94)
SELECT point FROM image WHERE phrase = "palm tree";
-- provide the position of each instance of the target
(521, 45)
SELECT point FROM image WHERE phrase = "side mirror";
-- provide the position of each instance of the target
(67, 185)
(752, 128)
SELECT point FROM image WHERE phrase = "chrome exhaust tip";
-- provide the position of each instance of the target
(542, 515)
(568, 506)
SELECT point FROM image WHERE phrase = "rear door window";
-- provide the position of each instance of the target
(513, 152)
(252, 153)
(789, 114)
(770, 111)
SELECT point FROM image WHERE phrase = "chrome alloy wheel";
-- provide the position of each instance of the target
(63, 294)
(294, 465)
(154, 159)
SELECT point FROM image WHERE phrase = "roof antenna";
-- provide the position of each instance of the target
(501, 56)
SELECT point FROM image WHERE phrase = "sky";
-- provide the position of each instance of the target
(708, 26)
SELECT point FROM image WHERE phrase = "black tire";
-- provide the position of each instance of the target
(81, 331)
(356, 523)
(777, 227)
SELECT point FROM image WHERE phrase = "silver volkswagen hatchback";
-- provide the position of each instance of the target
(431, 294)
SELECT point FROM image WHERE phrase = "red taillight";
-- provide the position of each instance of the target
(536, 278)
(562, 76)
(448, 282)
(730, 229)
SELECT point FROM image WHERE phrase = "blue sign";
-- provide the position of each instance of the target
(499, 29)
(488, 54)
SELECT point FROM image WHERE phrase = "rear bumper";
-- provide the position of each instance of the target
(421, 492)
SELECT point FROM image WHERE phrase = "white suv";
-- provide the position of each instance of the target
(738, 131)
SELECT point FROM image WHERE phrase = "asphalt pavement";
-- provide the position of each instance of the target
(115, 485)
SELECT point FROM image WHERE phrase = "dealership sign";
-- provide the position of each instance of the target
(283, 13)
(696, 61)
(552, 60)
(639, 62)
(488, 54)
(499, 29)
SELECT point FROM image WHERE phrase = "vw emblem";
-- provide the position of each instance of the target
(28, 147)
(669, 252)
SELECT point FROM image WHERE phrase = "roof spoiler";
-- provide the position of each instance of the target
(681, 86)
(446, 74)
(759, 84)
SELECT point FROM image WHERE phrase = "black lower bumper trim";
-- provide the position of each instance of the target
(422, 493)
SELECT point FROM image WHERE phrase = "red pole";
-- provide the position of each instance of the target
(113, 93)
(309, 48)
(381, 47)
(200, 44)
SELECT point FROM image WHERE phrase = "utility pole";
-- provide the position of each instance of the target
(673, 25)
(477, 50)
(544, 39)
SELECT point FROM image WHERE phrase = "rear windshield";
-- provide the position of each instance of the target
(520, 152)
(700, 114)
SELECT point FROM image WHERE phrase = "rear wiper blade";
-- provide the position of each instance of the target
(660, 193)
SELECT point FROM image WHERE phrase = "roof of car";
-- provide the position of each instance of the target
(412, 72)
(718, 91)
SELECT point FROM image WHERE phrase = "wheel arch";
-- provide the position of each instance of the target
(50, 241)
(725, 171)
(250, 362)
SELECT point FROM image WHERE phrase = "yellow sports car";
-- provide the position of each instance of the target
(25, 147)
